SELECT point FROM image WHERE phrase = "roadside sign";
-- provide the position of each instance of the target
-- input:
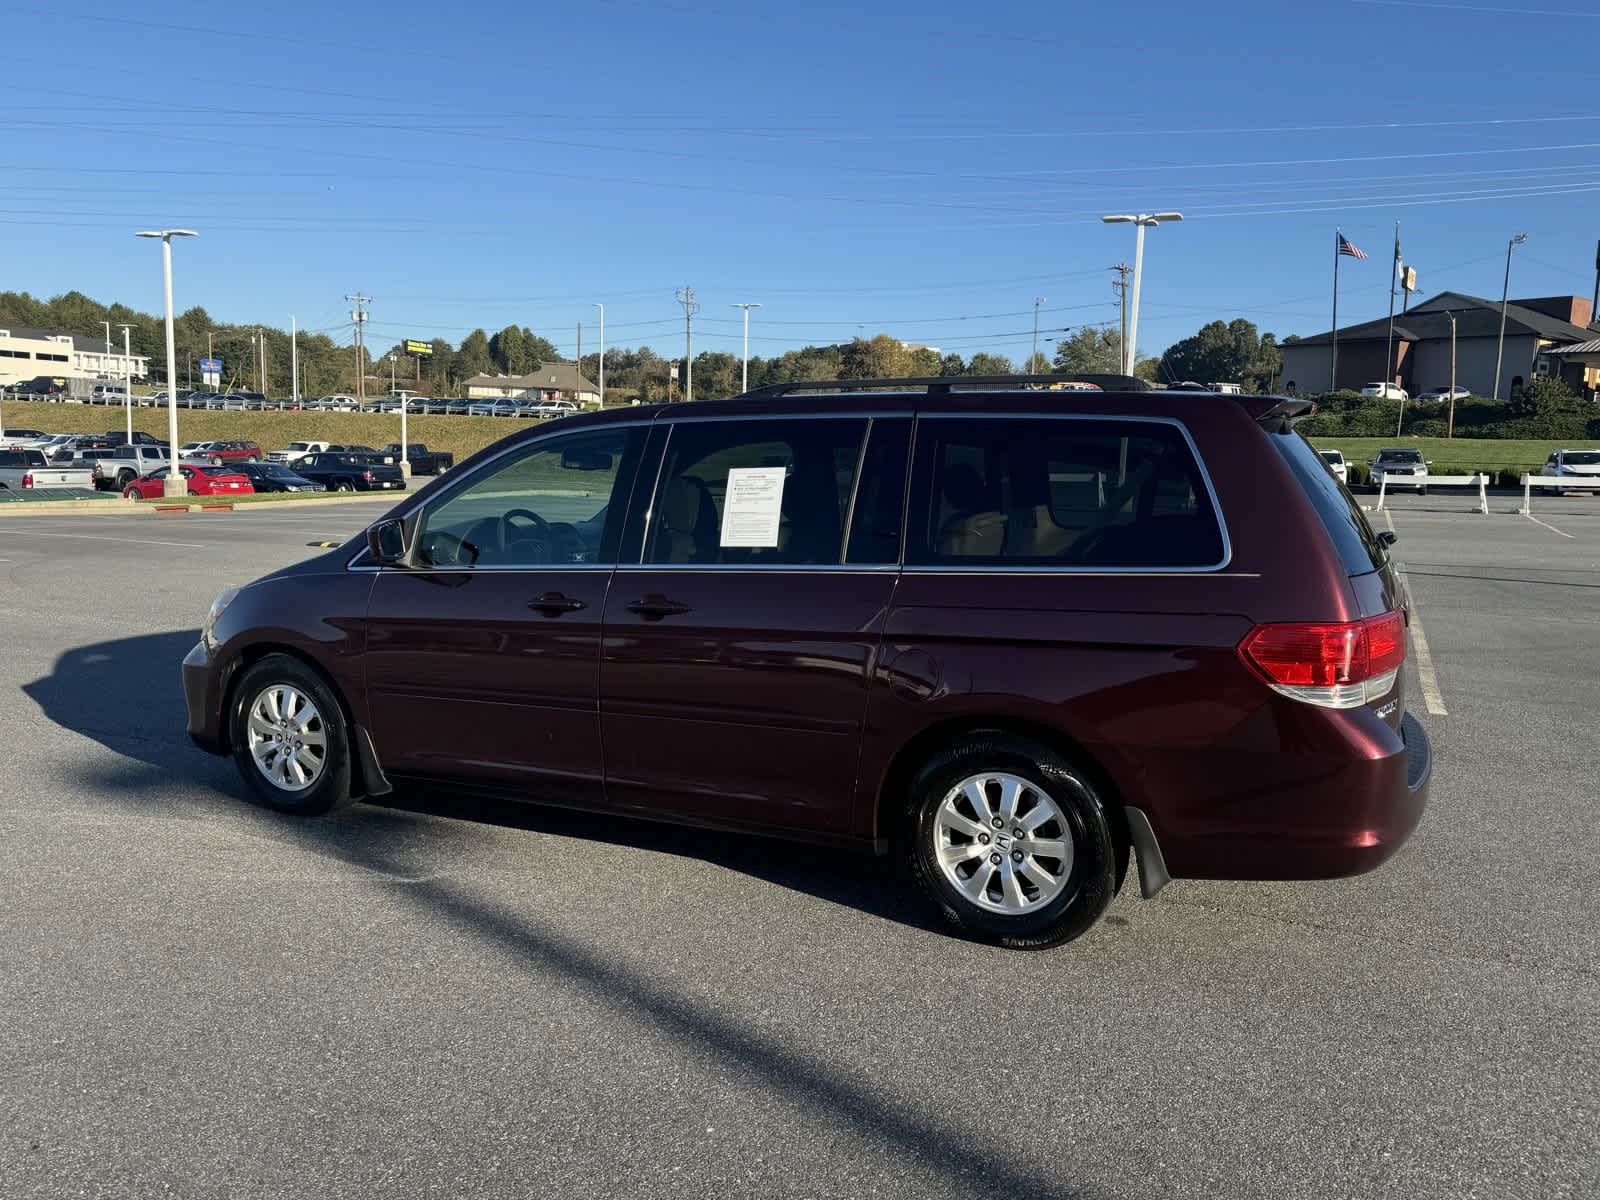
(211, 371)
(422, 349)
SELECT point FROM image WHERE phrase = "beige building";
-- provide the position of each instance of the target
(551, 381)
(28, 353)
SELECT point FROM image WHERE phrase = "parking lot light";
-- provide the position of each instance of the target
(173, 484)
(1140, 221)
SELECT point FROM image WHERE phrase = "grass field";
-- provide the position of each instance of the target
(461, 436)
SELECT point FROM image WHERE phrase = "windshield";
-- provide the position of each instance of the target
(299, 445)
(1581, 458)
(1400, 456)
(1333, 456)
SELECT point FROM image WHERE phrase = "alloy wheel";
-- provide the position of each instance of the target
(1003, 842)
(287, 737)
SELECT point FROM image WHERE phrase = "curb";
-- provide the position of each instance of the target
(132, 508)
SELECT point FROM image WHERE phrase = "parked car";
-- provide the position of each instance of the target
(1400, 468)
(1336, 464)
(295, 451)
(195, 450)
(110, 394)
(116, 437)
(350, 472)
(423, 461)
(546, 409)
(1573, 464)
(1385, 391)
(457, 408)
(276, 477)
(1051, 627)
(382, 456)
(22, 470)
(202, 478)
(492, 408)
(1435, 395)
(119, 467)
(234, 451)
(17, 437)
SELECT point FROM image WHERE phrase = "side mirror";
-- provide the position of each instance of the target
(1388, 537)
(386, 542)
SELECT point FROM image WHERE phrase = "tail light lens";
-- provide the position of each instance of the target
(1341, 664)
(367, 475)
(27, 481)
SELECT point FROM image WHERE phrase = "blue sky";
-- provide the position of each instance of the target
(920, 169)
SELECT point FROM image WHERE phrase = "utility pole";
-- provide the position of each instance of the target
(1037, 300)
(294, 364)
(690, 307)
(1505, 292)
(127, 382)
(265, 387)
(744, 377)
(1119, 285)
(602, 309)
(359, 319)
(580, 359)
(1594, 308)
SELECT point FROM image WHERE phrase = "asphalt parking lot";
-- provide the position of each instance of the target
(203, 998)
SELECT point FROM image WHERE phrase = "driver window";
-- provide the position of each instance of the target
(546, 506)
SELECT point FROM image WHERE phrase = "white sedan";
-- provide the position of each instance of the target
(1386, 391)
(1573, 464)
(1336, 464)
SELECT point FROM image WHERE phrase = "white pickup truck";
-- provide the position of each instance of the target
(22, 470)
(295, 451)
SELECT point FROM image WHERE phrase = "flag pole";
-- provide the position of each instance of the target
(1388, 346)
(1333, 368)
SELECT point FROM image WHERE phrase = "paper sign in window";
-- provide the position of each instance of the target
(752, 507)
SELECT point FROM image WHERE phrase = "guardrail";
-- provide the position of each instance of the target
(1562, 483)
(1480, 481)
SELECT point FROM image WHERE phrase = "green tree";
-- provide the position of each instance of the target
(474, 357)
(1224, 353)
(990, 364)
(1545, 397)
(923, 361)
(1037, 364)
(1091, 350)
(510, 351)
(716, 375)
(951, 364)
(881, 357)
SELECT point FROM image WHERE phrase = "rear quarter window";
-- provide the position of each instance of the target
(1357, 546)
(1061, 492)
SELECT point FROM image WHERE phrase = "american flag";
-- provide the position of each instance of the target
(1346, 247)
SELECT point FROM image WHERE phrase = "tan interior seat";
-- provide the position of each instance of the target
(976, 529)
(688, 522)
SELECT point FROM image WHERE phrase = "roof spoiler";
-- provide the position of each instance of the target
(1281, 412)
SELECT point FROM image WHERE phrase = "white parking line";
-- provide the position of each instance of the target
(1549, 526)
(99, 537)
(1432, 697)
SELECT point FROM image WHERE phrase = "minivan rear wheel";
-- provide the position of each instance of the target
(289, 737)
(1011, 843)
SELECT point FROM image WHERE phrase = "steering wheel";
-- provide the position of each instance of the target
(540, 531)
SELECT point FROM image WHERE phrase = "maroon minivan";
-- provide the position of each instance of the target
(1009, 634)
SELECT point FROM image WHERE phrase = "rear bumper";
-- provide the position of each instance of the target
(1326, 825)
(203, 689)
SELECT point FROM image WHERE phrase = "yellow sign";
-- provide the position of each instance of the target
(416, 347)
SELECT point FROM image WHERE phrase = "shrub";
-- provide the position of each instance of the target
(1544, 397)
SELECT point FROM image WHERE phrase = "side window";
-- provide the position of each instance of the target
(1060, 493)
(557, 503)
(880, 495)
(762, 492)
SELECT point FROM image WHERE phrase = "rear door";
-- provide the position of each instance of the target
(737, 651)
(483, 657)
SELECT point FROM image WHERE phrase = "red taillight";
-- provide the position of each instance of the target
(1335, 664)
(27, 481)
(367, 475)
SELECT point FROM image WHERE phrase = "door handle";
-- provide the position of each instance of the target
(553, 604)
(653, 608)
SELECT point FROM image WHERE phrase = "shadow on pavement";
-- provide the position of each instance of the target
(395, 841)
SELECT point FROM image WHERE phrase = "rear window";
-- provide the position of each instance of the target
(1060, 493)
(1358, 549)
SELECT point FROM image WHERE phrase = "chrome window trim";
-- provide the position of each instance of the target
(793, 568)
(465, 480)
(865, 414)
(1073, 569)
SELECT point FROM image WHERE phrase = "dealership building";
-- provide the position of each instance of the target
(28, 353)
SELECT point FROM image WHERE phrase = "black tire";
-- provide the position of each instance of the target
(1098, 855)
(124, 478)
(344, 485)
(1422, 491)
(331, 789)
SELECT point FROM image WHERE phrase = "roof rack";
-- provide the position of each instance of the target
(936, 385)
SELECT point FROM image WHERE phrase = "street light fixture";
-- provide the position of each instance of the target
(174, 484)
(1141, 221)
(1505, 292)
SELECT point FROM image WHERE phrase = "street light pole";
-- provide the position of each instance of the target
(1037, 300)
(174, 484)
(602, 309)
(744, 379)
(1450, 428)
(127, 382)
(1140, 221)
(1505, 292)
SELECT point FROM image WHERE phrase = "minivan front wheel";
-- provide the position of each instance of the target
(1011, 843)
(289, 737)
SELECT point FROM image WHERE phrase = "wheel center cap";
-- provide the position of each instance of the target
(1002, 842)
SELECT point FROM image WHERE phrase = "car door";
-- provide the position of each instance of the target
(737, 647)
(482, 655)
